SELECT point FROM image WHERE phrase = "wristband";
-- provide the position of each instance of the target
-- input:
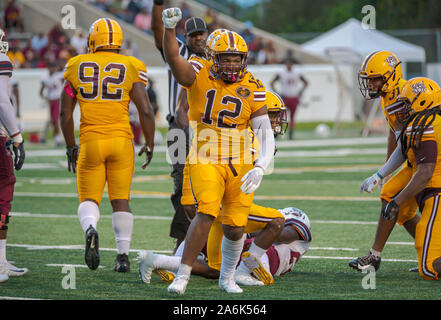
(17, 138)
(158, 2)
(68, 90)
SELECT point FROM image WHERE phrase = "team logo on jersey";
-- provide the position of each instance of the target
(391, 61)
(418, 87)
(243, 92)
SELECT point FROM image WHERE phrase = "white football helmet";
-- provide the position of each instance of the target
(299, 219)
(4, 45)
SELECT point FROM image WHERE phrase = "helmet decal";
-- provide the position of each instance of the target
(418, 87)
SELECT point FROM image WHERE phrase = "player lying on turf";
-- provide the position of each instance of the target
(420, 144)
(279, 259)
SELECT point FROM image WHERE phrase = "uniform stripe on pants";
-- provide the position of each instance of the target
(427, 238)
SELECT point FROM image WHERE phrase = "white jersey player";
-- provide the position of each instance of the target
(292, 243)
(9, 134)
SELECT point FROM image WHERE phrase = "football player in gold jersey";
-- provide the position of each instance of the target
(223, 99)
(380, 76)
(103, 82)
(421, 146)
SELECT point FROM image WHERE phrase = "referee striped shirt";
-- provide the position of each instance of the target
(173, 85)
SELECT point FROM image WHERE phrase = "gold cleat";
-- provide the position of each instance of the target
(165, 275)
(254, 265)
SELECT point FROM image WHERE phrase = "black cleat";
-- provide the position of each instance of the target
(365, 262)
(122, 263)
(92, 256)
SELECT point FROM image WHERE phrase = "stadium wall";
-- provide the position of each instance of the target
(321, 100)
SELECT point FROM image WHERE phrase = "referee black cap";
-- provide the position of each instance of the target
(195, 24)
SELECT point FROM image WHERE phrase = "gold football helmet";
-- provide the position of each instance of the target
(229, 43)
(105, 34)
(277, 113)
(209, 42)
(382, 65)
(417, 95)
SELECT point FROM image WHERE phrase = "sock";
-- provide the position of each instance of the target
(375, 253)
(170, 263)
(89, 214)
(2, 251)
(231, 251)
(122, 223)
(180, 249)
(184, 270)
(256, 250)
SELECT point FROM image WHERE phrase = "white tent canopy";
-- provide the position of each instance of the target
(351, 36)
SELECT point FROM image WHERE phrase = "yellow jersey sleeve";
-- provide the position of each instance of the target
(139, 71)
(257, 98)
(200, 66)
(70, 70)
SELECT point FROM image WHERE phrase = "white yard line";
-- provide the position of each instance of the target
(331, 153)
(18, 298)
(165, 195)
(332, 142)
(74, 216)
(350, 258)
(77, 247)
(69, 265)
(280, 144)
(138, 217)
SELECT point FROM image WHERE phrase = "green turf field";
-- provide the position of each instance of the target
(322, 179)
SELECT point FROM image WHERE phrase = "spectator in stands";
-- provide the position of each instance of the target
(247, 34)
(267, 54)
(50, 53)
(143, 20)
(12, 17)
(254, 47)
(208, 17)
(31, 59)
(55, 33)
(79, 42)
(186, 11)
(115, 7)
(38, 42)
(129, 49)
(15, 55)
(103, 4)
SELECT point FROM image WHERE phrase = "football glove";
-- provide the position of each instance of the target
(390, 210)
(19, 155)
(149, 154)
(370, 183)
(72, 157)
(171, 17)
(251, 180)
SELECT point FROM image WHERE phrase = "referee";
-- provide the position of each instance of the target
(196, 33)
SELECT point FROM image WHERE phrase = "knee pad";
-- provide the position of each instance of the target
(4, 220)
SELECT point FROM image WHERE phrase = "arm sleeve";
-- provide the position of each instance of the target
(7, 111)
(262, 129)
(395, 160)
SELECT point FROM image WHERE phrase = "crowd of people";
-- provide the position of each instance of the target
(138, 13)
(39, 49)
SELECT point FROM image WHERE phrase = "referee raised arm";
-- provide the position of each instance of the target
(196, 33)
